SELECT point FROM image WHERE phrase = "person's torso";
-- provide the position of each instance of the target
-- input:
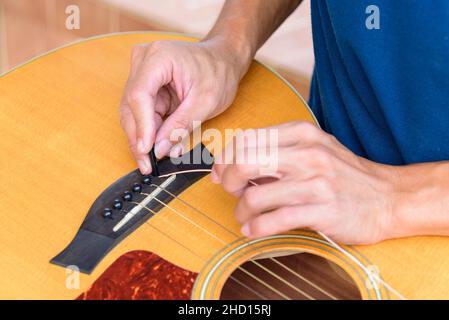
(381, 80)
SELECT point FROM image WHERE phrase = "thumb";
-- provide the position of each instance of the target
(178, 126)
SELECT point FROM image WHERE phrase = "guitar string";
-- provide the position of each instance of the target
(240, 268)
(369, 273)
(372, 276)
(223, 242)
(194, 253)
(245, 271)
(238, 236)
(205, 260)
(249, 288)
(226, 243)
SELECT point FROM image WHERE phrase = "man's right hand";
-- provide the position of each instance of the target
(171, 84)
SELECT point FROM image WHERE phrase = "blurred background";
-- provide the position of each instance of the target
(32, 27)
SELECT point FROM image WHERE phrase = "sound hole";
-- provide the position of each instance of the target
(313, 277)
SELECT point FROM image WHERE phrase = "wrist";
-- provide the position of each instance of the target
(398, 223)
(237, 52)
(417, 198)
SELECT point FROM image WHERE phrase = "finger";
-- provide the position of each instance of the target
(126, 115)
(179, 124)
(272, 138)
(303, 163)
(264, 138)
(142, 107)
(235, 176)
(266, 197)
(282, 220)
(129, 126)
(288, 133)
(137, 56)
(141, 96)
(301, 132)
(264, 161)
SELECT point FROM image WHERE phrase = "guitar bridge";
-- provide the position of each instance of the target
(127, 204)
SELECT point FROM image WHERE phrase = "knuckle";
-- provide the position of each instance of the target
(137, 48)
(308, 155)
(165, 47)
(330, 138)
(284, 217)
(241, 169)
(239, 216)
(122, 120)
(307, 131)
(181, 122)
(124, 110)
(135, 95)
(133, 148)
(325, 159)
(124, 114)
(210, 99)
(257, 227)
(251, 198)
(320, 156)
(323, 187)
(220, 67)
(331, 216)
(156, 45)
(305, 127)
(226, 186)
(137, 51)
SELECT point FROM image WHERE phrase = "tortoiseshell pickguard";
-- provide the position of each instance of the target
(141, 275)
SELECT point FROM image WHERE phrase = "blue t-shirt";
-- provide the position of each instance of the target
(381, 81)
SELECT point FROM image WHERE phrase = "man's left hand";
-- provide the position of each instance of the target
(320, 185)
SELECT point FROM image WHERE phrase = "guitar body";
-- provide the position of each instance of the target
(62, 146)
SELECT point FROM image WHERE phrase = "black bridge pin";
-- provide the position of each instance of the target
(146, 180)
(137, 188)
(117, 204)
(127, 196)
(107, 213)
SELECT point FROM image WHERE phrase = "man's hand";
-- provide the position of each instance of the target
(171, 84)
(320, 185)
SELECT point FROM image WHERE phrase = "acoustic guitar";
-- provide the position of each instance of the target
(78, 221)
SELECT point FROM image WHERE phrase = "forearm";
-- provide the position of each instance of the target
(421, 205)
(245, 25)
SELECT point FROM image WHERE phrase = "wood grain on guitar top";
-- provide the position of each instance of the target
(62, 145)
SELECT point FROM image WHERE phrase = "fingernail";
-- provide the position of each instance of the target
(144, 166)
(162, 148)
(214, 176)
(141, 146)
(176, 151)
(245, 230)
